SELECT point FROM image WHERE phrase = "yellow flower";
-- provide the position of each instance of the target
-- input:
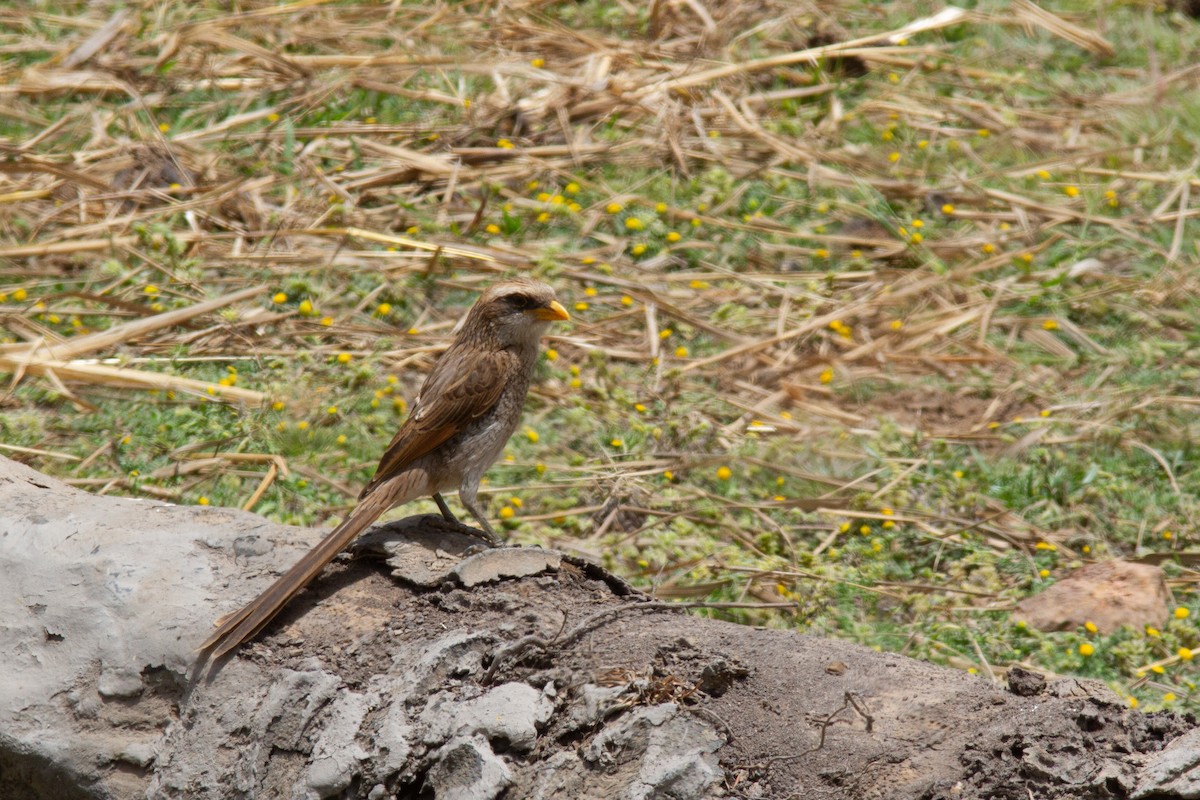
(668, 474)
(1181, 613)
(1152, 632)
(921, 145)
(637, 249)
(617, 442)
(507, 512)
(279, 297)
(516, 502)
(305, 307)
(673, 236)
(1044, 573)
(893, 157)
(383, 309)
(505, 144)
(917, 238)
(272, 117)
(626, 300)
(948, 209)
(681, 352)
(660, 208)
(639, 407)
(1169, 697)
(1071, 191)
(1133, 702)
(543, 217)
(613, 208)
(581, 306)
(864, 529)
(538, 62)
(826, 375)
(327, 321)
(551, 354)
(1090, 626)
(163, 127)
(341, 438)
(984, 132)
(302, 425)
(571, 188)
(344, 358)
(202, 500)
(591, 291)
(1167, 535)
(988, 248)
(1043, 174)
(19, 295)
(897, 325)
(277, 405)
(1185, 653)
(724, 473)
(634, 224)
(1086, 649)
(150, 289)
(331, 410)
(695, 222)
(1050, 325)
(492, 228)
(844, 527)
(532, 435)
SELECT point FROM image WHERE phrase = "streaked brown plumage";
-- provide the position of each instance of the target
(468, 407)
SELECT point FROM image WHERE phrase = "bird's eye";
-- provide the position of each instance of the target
(521, 301)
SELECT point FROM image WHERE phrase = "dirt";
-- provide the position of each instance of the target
(912, 730)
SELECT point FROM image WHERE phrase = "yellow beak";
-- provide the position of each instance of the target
(552, 312)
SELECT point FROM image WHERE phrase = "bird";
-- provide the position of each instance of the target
(464, 414)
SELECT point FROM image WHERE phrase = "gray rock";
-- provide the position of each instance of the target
(1173, 772)
(467, 769)
(497, 564)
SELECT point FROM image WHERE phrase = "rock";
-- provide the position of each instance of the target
(1109, 594)
(506, 562)
(1174, 772)
(1025, 683)
(366, 686)
(467, 769)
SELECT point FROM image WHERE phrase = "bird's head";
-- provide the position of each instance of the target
(514, 313)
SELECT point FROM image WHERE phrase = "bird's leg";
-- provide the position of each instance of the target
(447, 514)
(468, 496)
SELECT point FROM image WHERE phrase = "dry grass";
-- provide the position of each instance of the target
(893, 268)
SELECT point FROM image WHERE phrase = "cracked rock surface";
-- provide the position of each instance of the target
(378, 681)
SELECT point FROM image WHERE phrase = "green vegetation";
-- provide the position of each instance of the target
(871, 345)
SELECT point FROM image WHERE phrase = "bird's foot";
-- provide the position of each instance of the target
(455, 526)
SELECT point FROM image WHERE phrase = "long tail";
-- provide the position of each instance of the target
(242, 625)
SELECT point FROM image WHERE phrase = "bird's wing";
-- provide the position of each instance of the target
(462, 387)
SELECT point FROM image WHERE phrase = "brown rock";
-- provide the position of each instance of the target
(1109, 594)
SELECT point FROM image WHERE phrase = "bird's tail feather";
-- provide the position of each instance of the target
(242, 625)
